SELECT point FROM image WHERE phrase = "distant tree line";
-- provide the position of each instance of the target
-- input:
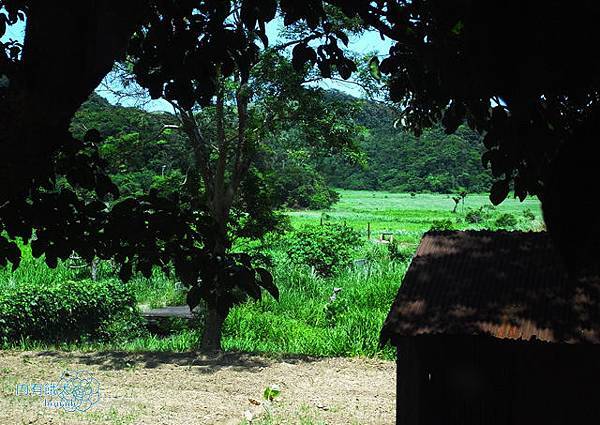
(396, 160)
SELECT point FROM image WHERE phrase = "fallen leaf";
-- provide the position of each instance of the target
(255, 402)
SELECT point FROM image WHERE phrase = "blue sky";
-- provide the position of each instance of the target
(369, 42)
(15, 32)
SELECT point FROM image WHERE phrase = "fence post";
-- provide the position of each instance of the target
(369, 230)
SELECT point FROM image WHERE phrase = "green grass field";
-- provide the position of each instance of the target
(405, 215)
(298, 323)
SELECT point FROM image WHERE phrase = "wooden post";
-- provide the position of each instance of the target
(369, 230)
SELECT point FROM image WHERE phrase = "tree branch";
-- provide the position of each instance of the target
(242, 159)
(198, 144)
(306, 39)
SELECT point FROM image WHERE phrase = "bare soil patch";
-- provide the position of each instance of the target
(191, 388)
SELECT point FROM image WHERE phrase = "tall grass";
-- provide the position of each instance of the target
(157, 291)
(298, 323)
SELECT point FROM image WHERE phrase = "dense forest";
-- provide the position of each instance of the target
(400, 162)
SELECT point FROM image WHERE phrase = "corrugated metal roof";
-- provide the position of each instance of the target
(504, 284)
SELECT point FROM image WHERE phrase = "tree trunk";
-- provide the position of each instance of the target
(213, 328)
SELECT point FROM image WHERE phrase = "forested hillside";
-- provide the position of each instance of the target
(400, 162)
(144, 150)
(142, 154)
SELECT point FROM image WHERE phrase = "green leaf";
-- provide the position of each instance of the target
(271, 392)
(266, 281)
(246, 280)
(343, 37)
(374, 68)
(458, 27)
(193, 297)
(499, 192)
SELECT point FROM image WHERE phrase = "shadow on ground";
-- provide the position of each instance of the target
(202, 362)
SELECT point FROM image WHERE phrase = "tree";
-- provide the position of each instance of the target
(462, 194)
(456, 200)
(398, 161)
(45, 80)
(231, 139)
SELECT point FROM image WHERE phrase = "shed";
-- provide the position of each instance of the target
(490, 329)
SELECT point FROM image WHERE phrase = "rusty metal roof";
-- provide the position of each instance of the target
(503, 284)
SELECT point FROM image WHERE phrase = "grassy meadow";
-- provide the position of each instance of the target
(304, 321)
(402, 213)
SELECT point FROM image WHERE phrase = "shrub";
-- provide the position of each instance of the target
(438, 225)
(477, 215)
(474, 216)
(327, 248)
(528, 214)
(397, 254)
(506, 221)
(62, 311)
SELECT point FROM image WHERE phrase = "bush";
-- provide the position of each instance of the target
(63, 311)
(528, 214)
(438, 225)
(506, 221)
(474, 216)
(397, 254)
(327, 248)
(477, 215)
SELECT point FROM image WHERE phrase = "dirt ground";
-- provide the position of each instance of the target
(190, 388)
